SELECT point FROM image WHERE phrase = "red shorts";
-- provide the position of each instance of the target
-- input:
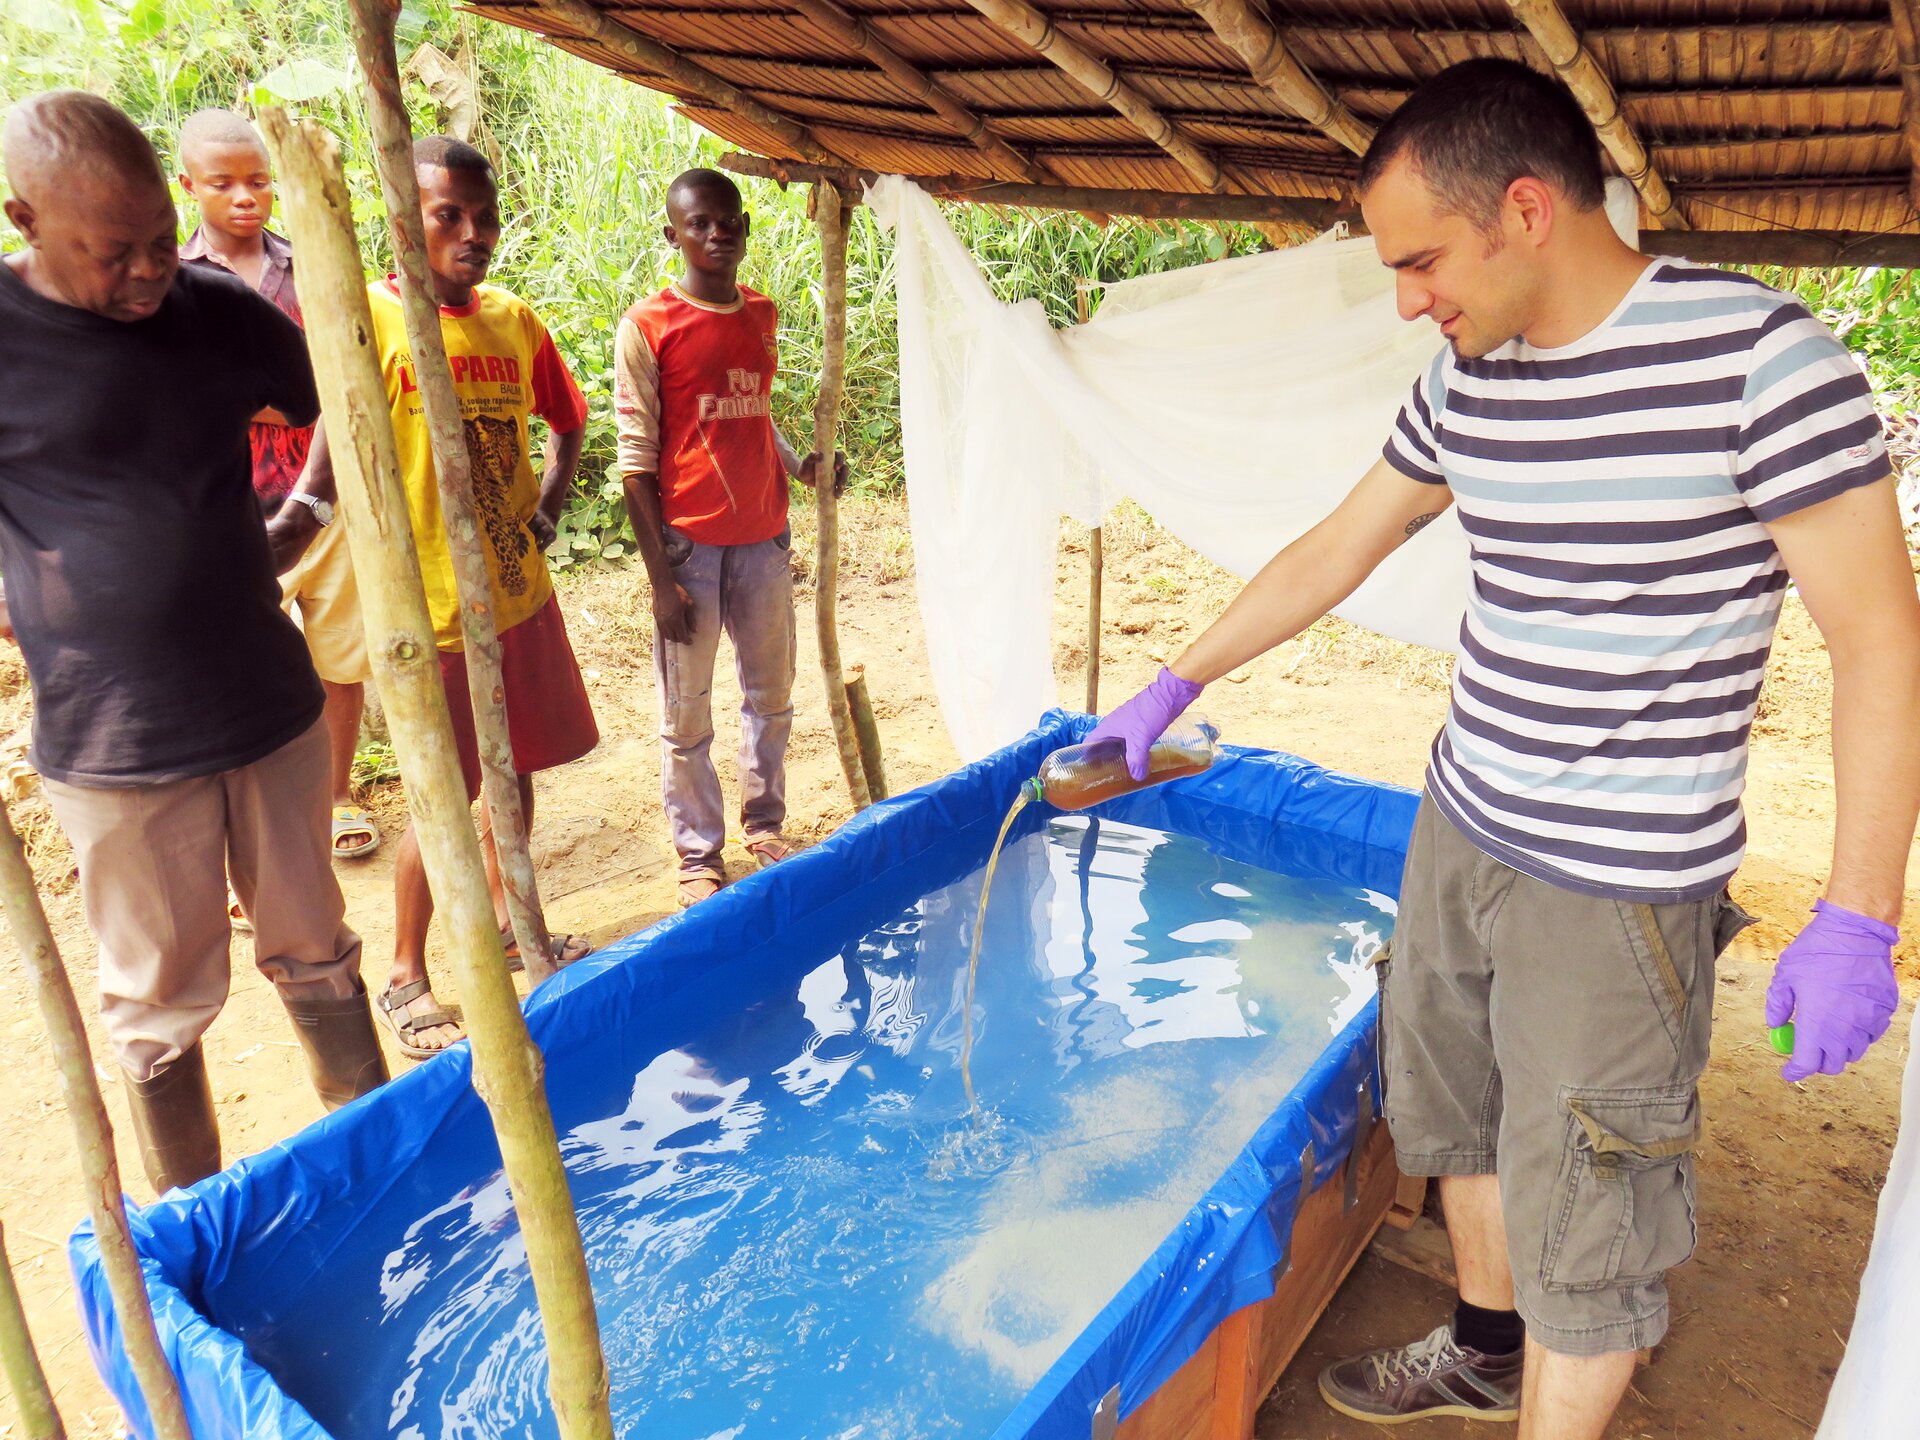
(548, 715)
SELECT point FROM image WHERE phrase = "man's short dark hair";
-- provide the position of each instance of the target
(710, 182)
(217, 127)
(1476, 127)
(443, 152)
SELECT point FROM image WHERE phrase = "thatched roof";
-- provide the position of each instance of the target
(1731, 116)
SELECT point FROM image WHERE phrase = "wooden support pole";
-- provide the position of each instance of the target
(92, 1134)
(830, 214)
(1147, 204)
(373, 25)
(508, 1069)
(1548, 25)
(1037, 31)
(867, 730)
(857, 35)
(1096, 557)
(1905, 15)
(1249, 34)
(32, 1397)
(579, 18)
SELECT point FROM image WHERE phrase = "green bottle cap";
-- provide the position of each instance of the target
(1781, 1038)
(1036, 788)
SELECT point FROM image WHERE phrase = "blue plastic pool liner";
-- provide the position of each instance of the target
(230, 1245)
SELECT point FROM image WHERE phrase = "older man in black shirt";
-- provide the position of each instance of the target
(177, 716)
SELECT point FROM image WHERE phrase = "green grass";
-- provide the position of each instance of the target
(584, 159)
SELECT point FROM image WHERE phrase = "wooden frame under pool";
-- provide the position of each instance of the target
(1217, 1393)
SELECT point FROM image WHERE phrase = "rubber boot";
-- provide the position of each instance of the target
(343, 1050)
(173, 1120)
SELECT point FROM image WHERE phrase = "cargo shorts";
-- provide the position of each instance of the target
(1556, 1040)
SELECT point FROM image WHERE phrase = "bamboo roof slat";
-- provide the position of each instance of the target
(1033, 28)
(1750, 115)
(1549, 26)
(1905, 18)
(851, 30)
(1246, 32)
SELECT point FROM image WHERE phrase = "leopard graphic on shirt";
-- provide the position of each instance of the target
(493, 455)
(506, 370)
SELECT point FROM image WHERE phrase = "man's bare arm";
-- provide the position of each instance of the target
(1849, 559)
(1316, 572)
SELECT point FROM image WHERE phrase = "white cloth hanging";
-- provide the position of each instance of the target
(1237, 402)
(1870, 1399)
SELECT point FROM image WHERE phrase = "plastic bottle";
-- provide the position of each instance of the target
(1076, 776)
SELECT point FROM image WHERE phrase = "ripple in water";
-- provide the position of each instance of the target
(794, 1228)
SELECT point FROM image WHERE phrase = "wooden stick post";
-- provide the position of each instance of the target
(507, 1065)
(867, 731)
(830, 214)
(39, 1418)
(99, 1169)
(1096, 557)
(373, 22)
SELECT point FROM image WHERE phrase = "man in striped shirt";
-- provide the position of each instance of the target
(1642, 452)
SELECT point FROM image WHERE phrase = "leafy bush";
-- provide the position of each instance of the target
(585, 158)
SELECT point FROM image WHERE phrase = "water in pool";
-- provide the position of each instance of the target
(794, 1228)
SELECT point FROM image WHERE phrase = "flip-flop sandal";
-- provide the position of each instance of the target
(350, 821)
(566, 950)
(405, 1023)
(236, 917)
(696, 888)
(768, 850)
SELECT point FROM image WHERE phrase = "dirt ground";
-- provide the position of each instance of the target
(1789, 1176)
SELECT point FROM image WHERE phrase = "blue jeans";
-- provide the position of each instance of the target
(747, 591)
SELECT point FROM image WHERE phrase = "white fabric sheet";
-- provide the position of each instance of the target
(1237, 402)
(1870, 1399)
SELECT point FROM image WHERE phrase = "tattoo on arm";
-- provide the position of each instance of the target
(1420, 522)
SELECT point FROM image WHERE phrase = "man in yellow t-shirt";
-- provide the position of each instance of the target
(505, 371)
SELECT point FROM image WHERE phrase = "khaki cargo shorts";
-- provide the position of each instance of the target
(1556, 1040)
(321, 588)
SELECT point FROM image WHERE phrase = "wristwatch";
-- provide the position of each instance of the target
(322, 509)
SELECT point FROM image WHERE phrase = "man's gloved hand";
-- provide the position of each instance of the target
(1835, 982)
(1145, 718)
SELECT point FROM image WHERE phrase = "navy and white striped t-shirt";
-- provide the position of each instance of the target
(1614, 493)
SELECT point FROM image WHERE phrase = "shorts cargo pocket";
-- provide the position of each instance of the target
(1728, 921)
(1622, 1204)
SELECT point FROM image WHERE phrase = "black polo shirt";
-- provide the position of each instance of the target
(137, 570)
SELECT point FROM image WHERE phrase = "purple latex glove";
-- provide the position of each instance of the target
(1145, 718)
(1835, 982)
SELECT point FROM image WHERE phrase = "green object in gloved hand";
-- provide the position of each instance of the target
(1781, 1038)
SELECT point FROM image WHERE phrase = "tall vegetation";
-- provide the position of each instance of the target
(584, 159)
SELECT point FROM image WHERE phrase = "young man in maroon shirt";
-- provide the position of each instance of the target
(224, 168)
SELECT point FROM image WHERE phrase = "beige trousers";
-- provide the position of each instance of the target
(154, 864)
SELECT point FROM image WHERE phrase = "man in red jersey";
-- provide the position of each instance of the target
(706, 483)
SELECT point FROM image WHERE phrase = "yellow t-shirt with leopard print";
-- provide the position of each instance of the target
(505, 370)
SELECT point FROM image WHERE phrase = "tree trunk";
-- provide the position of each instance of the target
(38, 1416)
(830, 214)
(99, 1169)
(373, 22)
(507, 1065)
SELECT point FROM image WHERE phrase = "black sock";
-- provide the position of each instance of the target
(1491, 1332)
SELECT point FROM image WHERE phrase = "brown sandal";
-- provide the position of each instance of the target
(768, 850)
(696, 888)
(405, 1024)
(566, 949)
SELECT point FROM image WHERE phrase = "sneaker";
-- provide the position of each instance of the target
(1434, 1376)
